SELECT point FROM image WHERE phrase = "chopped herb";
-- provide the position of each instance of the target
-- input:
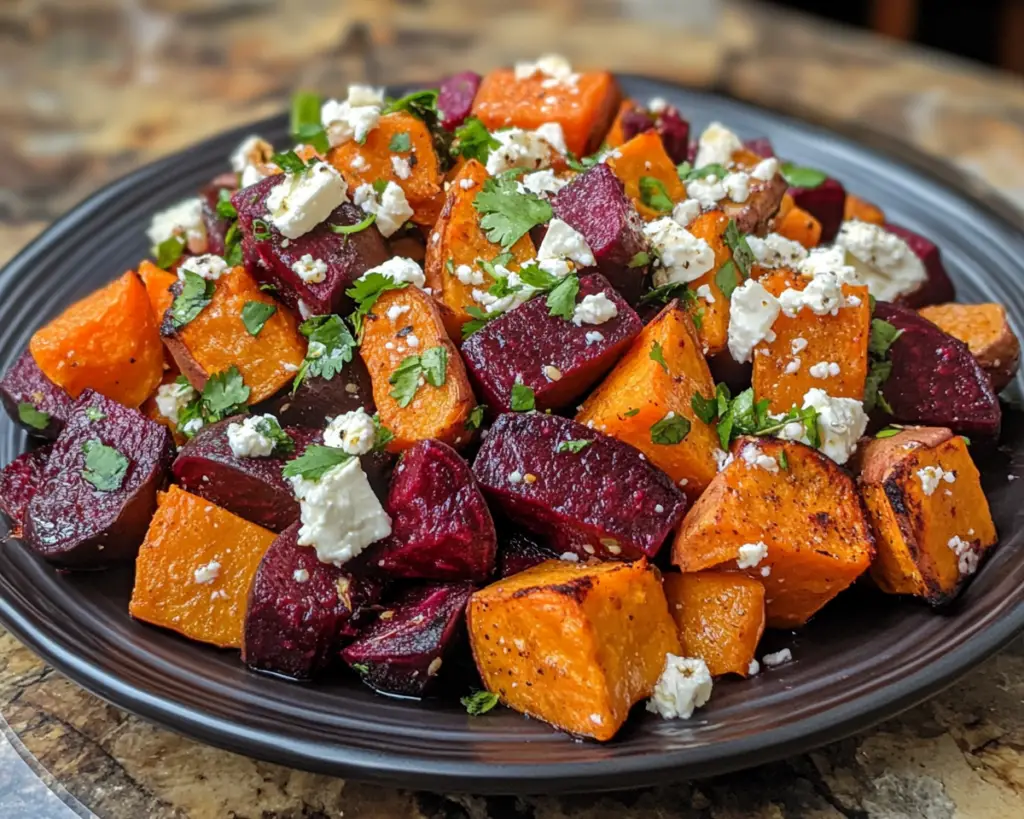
(714, 169)
(631, 412)
(105, 467)
(169, 251)
(435, 365)
(585, 163)
(742, 255)
(449, 265)
(743, 416)
(670, 431)
(255, 314)
(640, 259)
(479, 702)
(405, 380)
(667, 292)
(358, 227)
(267, 287)
(225, 394)
(888, 432)
(561, 300)
(400, 143)
(683, 169)
(967, 441)
(315, 135)
(196, 293)
(704, 408)
(883, 334)
(382, 436)
(33, 417)
(522, 398)
(379, 186)
(478, 319)
(574, 447)
(315, 462)
(331, 346)
(260, 230)
(507, 214)
(727, 278)
(225, 210)
(305, 113)
(783, 460)
(269, 427)
(421, 104)
(799, 177)
(366, 290)
(657, 354)
(95, 414)
(476, 417)
(360, 668)
(233, 246)
(474, 141)
(654, 195)
(289, 162)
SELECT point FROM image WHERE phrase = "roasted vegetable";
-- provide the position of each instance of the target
(519, 550)
(825, 202)
(158, 283)
(19, 482)
(862, 210)
(575, 646)
(986, 331)
(455, 98)
(937, 288)
(648, 175)
(318, 398)
(714, 306)
(790, 517)
(800, 226)
(32, 400)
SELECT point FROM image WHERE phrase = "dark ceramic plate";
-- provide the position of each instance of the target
(865, 658)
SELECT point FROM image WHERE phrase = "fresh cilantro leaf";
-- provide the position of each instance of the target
(400, 143)
(536, 277)
(348, 230)
(305, 112)
(225, 210)
(313, 134)
(683, 169)
(742, 255)
(169, 251)
(405, 380)
(657, 354)
(799, 177)
(667, 292)
(640, 259)
(476, 417)
(331, 346)
(224, 394)
(379, 186)
(561, 300)
(289, 162)
(670, 430)
(572, 446)
(196, 293)
(105, 467)
(878, 374)
(507, 215)
(490, 267)
(32, 417)
(435, 365)
(267, 287)
(255, 314)
(727, 278)
(260, 230)
(315, 462)
(366, 290)
(723, 396)
(783, 460)
(631, 412)
(233, 246)
(704, 408)
(714, 169)
(522, 398)
(654, 195)
(479, 702)
(421, 104)
(360, 668)
(581, 164)
(478, 319)
(474, 141)
(967, 441)
(269, 427)
(95, 414)
(888, 432)
(382, 436)
(883, 334)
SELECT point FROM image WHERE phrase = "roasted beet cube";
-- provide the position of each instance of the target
(635, 121)
(98, 489)
(216, 226)
(937, 289)
(604, 498)
(675, 133)
(405, 649)
(318, 399)
(441, 528)
(595, 204)
(762, 146)
(19, 482)
(556, 358)
(27, 392)
(519, 551)
(935, 381)
(270, 256)
(826, 203)
(301, 611)
(455, 98)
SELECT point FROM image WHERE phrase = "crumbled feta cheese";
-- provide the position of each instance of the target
(798, 345)
(301, 201)
(412, 341)
(683, 257)
(247, 440)
(754, 457)
(754, 668)
(822, 296)
(841, 422)
(686, 211)
(401, 166)
(515, 476)
(354, 118)
(353, 432)
(684, 685)
(554, 67)
(657, 105)
(822, 260)
(707, 192)
(400, 269)
(563, 241)
(193, 426)
(310, 270)
(552, 133)
(469, 275)
(541, 183)
(751, 554)
(737, 185)
(716, 146)
(569, 557)
(392, 208)
(172, 398)
(207, 573)
(883, 260)
(931, 476)
(300, 575)
(704, 292)
(793, 366)
(778, 658)
(824, 369)
(396, 311)
(340, 514)
(775, 250)
(594, 308)
(765, 170)
(594, 337)
(184, 219)
(531, 150)
(466, 184)
(752, 313)
(722, 458)
(208, 266)
(358, 162)
(967, 555)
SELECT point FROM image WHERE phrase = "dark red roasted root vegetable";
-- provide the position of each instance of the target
(93, 509)
(825, 203)
(519, 550)
(937, 288)
(595, 204)
(405, 649)
(762, 146)
(604, 498)
(19, 482)
(669, 123)
(301, 611)
(252, 488)
(270, 258)
(32, 400)
(935, 381)
(550, 355)
(317, 399)
(441, 528)
(455, 98)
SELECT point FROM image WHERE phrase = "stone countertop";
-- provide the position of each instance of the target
(90, 89)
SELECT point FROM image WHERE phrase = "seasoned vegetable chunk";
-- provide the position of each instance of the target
(825, 202)
(986, 331)
(19, 482)
(519, 550)
(648, 175)
(32, 400)
(937, 287)
(455, 98)
(576, 646)
(317, 399)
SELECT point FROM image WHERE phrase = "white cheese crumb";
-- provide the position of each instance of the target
(542, 183)
(301, 201)
(531, 150)
(766, 169)
(247, 439)
(707, 192)
(716, 146)
(798, 345)
(569, 557)
(562, 241)
(352, 119)
(737, 186)
(754, 668)
(750, 555)
(824, 369)
(684, 685)
(515, 476)
(883, 260)
(396, 311)
(184, 219)
(467, 183)
(967, 557)
(207, 266)
(391, 207)
(207, 574)
(594, 308)
(753, 312)
(552, 66)
(352, 432)
(841, 422)
(754, 457)
(310, 270)
(172, 398)
(704, 292)
(775, 250)
(931, 476)
(400, 269)
(400, 165)
(300, 575)
(778, 658)
(682, 256)
(594, 336)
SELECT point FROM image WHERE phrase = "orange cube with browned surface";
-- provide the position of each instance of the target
(584, 104)
(648, 175)
(713, 329)
(574, 645)
(195, 567)
(158, 284)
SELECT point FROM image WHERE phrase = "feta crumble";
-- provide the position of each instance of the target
(469, 275)
(300, 576)
(750, 555)
(704, 292)
(532, 150)
(824, 369)
(753, 312)
(352, 432)
(594, 308)
(184, 219)
(540, 183)
(569, 557)
(821, 260)
(401, 166)
(563, 241)
(400, 269)
(207, 266)
(247, 441)
(707, 192)
(754, 668)
(310, 270)
(684, 685)
(396, 311)
(932, 476)
(841, 422)
(765, 170)
(682, 256)
(301, 201)
(686, 211)
(778, 658)
(206, 574)
(555, 68)
(716, 146)
(967, 556)
(594, 337)
(753, 457)
(737, 186)
(354, 118)
(172, 399)
(883, 260)
(391, 207)
(775, 250)
(822, 296)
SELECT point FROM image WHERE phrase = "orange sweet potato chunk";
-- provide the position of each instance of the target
(435, 411)
(216, 339)
(800, 226)
(615, 136)
(720, 617)
(459, 240)
(863, 210)
(109, 342)
(641, 164)
(584, 109)
(195, 567)
(804, 510)
(784, 369)
(986, 331)
(639, 392)
(158, 284)
(574, 645)
(713, 325)
(931, 519)
(366, 163)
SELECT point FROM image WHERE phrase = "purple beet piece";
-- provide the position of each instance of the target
(826, 203)
(318, 399)
(937, 289)
(404, 650)
(441, 528)
(216, 226)
(547, 353)
(595, 203)
(635, 121)
(70, 521)
(270, 256)
(675, 134)
(301, 612)
(762, 146)
(455, 98)
(691, 153)
(25, 383)
(606, 499)
(935, 381)
(19, 482)
(519, 551)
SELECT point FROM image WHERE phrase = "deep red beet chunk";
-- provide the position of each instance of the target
(556, 358)
(74, 523)
(24, 388)
(762, 146)
(937, 288)
(519, 551)
(441, 528)
(405, 650)
(674, 132)
(606, 499)
(935, 380)
(455, 98)
(216, 225)
(825, 202)
(301, 612)
(635, 121)
(270, 256)
(319, 399)
(19, 482)
(595, 204)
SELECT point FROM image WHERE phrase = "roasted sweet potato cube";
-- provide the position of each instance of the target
(195, 568)
(862, 210)
(32, 400)
(576, 646)
(584, 106)
(986, 331)
(595, 495)
(825, 203)
(828, 351)
(799, 225)
(713, 325)
(667, 123)
(158, 284)
(796, 523)
(19, 482)
(720, 617)
(931, 519)
(642, 392)
(648, 175)
(217, 339)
